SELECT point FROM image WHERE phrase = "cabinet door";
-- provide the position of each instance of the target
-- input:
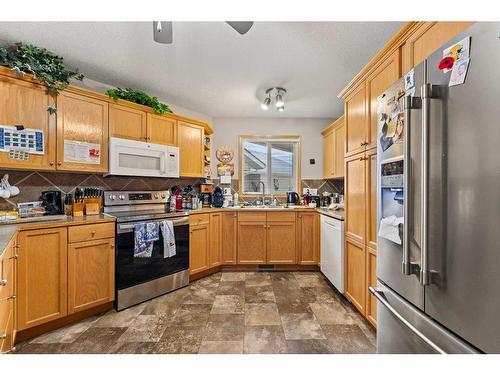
(371, 198)
(128, 123)
(161, 130)
(199, 247)
(25, 103)
(91, 270)
(356, 121)
(371, 280)
(191, 150)
(229, 237)
(308, 238)
(42, 276)
(339, 148)
(377, 82)
(6, 325)
(355, 197)
(82, 119)
(427, 38)
(281, 237)
(329, 154)
(215, 239)
(355, 289)
(252, 242)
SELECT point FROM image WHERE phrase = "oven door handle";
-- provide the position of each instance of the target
(176, 222)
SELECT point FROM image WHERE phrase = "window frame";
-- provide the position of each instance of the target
(267, 138)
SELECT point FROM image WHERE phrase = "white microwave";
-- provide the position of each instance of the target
(134, 158)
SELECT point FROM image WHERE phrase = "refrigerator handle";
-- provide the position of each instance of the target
(408, 268)
(428, 92)
(380, 297)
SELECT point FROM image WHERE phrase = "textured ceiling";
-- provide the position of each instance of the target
(212, 69)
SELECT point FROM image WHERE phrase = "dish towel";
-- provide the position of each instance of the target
(167, 228)
(144, 236)
(389, 228)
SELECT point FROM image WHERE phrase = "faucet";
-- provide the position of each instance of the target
(263, 191)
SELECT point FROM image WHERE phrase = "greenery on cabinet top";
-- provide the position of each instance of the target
(44, 65)
(139, 97)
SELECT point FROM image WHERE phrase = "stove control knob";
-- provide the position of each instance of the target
(112, 197)
(156, 196)
(163, 196)
(121, 196)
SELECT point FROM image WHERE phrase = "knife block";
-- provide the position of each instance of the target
(78, 209)
(92, 206)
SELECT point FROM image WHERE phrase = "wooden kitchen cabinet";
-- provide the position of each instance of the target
(371, 198)
(252, 242)
(191, 149)
(308, 237)
(24, 102)
(215, 239)
(377, 82)
(371, 281)
(91, 270)
(8, 296)
(82, 118)
(199, 247)
(356, 115)
(355, 197)
(229, 237)
(280, 242)
(126, 122)
(428, 37)
(7, 331)
(333, 149)
(355, 281)
(161, 130)
(42, 276)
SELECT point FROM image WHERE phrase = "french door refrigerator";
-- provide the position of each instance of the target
(438, 261)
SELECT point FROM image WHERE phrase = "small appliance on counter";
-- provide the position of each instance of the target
(206, 194)
(292, 198)
(52, 202)
(217, 198)
(315, 199)
(326, 199)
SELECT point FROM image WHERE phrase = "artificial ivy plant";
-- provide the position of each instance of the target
(44, 65)
(139, 97)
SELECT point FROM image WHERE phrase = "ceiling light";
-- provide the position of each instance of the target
(265, 104)
(277, 93)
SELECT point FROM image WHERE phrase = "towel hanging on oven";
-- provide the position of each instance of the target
(144, 236)
(167, 228)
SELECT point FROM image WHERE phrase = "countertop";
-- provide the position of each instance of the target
(336, 214)
(7, 231)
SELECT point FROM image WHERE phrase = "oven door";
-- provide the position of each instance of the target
(132, 270)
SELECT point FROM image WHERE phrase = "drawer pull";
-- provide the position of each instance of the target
(92, 233)
(3, 337)
(3, 282)
(14, 256)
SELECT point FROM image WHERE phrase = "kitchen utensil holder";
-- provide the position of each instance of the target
(78, 209)
(92, 206)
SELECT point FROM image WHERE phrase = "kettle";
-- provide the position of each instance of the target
(292, 198)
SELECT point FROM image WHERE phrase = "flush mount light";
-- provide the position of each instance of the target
(277, 93)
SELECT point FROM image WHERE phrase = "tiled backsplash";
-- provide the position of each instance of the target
(32, 184)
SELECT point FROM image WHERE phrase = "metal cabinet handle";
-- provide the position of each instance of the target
(3, 337)
(380, 297)
(51, 163)
(408, 268)
(14, 256)
(59, 163)
(428, 92)
(3, 282)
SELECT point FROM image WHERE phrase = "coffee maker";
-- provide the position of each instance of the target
(52, 201)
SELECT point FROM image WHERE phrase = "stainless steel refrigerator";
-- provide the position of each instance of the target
(438, 260)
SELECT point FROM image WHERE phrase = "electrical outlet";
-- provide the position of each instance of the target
(309, 191)
(305, 191)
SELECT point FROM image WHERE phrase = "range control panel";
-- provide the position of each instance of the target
(115, 198)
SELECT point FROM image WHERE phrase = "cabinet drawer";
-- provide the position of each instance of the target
(252, 216)
(199, 219)
(281, 216)
(91, 232)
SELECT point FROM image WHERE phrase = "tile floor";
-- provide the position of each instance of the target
(228, 312)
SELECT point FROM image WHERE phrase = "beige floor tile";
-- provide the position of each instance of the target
(146, 328)
(233, 276)
(331, 313)
(221, 347)
(301, 326)
(225, 327)
(261, 314)
(228, 304)
(264, 339)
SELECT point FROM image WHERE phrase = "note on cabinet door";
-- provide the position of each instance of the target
(82, 152)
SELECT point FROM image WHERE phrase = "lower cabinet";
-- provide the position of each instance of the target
(281, 243)
(91, 270)
(7, 324)
(355, 283)
(308, 236)
(371, 281)
(7, 297)
(252, 242)
(214, 258)
(229, 237)
(199, 247)
(42, 276)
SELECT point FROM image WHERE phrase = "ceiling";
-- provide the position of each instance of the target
(212, 69)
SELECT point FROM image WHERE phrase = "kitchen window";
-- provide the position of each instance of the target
(273, 160)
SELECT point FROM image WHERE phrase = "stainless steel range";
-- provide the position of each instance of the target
(141, 277)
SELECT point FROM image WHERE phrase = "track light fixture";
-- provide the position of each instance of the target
(278, 93)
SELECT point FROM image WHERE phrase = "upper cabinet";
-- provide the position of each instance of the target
(333, 149)
(190, 142)
(128, 123)
(82, 133)
(355, 108)
(161, 129)
(23, 102)
(428, 37)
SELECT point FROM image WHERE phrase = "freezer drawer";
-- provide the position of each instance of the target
(403, 329)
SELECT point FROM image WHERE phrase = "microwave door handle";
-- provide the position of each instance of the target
(408, 268)
(163, 162)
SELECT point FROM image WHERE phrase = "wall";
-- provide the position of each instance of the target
(228, 130)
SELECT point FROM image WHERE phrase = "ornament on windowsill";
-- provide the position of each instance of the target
(225, 155)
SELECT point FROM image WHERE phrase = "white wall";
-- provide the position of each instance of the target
(228, 130)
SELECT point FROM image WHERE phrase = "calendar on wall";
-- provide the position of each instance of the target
(25, 139)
